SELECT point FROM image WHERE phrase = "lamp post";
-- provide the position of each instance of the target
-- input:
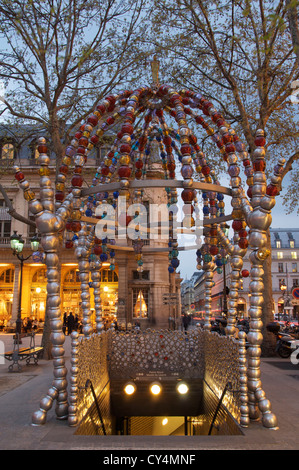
(283, 288)
(17, 245)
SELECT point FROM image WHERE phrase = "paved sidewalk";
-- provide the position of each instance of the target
(21, 392)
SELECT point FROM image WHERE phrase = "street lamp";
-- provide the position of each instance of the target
(283, 288)
(17, 245)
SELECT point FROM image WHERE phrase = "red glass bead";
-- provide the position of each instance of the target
(93, 120)
(227, 138)
(105, 170)
(63, 169)
(78, 135)
(272, 190)
(124, 172)
(19, 176)
(81, 150)
(188, 195)
(259, 165)
(69, 244)
(83, 142)
(97, 249)
(42, 148)
(192, 139)
(205, 170)
(101, 108)
(243, 233)
(77, 181)
(199, 120)
(138, 174)
(260, 141)
(139, 164)
(245, 273)
(170, 166)
(167, 140)
(243, 243)
(76, 226)
(216, 117)
(214, 250)
(249, 192)
(124, 148)
(230, 148)
(127, 129)
(59, 196)
(110, 120)
(186, 149)
(94, 139)
(237, 225)
(246, 162)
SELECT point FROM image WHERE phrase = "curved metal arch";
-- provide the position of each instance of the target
(157, 184)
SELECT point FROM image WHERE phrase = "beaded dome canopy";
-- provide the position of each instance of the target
(146, 119)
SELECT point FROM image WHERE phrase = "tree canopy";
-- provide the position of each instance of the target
(240, 55)
(58, 58)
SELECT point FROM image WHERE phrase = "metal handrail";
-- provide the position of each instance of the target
(87, 385)
(227, 386)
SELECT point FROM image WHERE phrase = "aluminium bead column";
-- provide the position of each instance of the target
(49, 225)
(259, 221)
(82, 251)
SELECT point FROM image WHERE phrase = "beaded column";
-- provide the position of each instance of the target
(244, 418)
(82, 252)
(259, 221)
(49, 225)
(73, 418)
(96, 284)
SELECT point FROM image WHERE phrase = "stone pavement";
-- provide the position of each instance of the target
(21, 392)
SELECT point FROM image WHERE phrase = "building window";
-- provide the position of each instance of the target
(34, 153)
(278, 244)
(279, 255)
(294, 254)
(140, 302)
(292, 244)
(7, 151)
(281, 282)
(40, 276)
(5, 221)
(295, 282)
(7, 277)
(280, 267)
(72, 276)
(108, 276)
(294, 267)
(145, 275)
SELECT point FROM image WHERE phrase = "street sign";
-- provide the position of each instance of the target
(295, 302)
(295, 292)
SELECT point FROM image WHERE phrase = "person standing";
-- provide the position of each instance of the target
(70, 323)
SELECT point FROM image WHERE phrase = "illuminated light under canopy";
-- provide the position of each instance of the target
(182, 388)
(156, 388)
(130, 388)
